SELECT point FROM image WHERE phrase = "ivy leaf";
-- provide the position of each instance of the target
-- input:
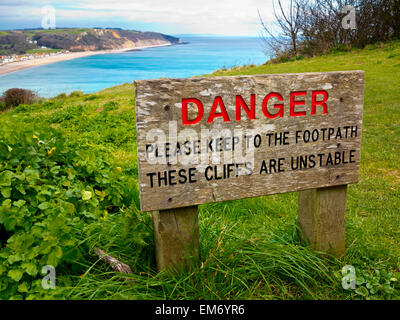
(58, 252)
(2, 269)
(9, 223)
(70, 208)
(23, 287)
(16, 275)
(360, 281)
(101, 194)
(54, 256)
(5, 178)
(20, 177)
(31, 176)
(6, 192)
(86, 195)
(19, 203)
(30, 268)
(21, 189)
(14, 258)
(44, 206)
(362, 291)
(6, 203)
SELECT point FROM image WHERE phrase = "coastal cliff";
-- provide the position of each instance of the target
(23, 41)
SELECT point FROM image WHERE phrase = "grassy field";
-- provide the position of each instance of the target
(61, 30)
(33, 51)
(68, 182)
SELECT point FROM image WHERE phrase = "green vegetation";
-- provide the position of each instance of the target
(68, 183)
(74, 94)
(33, 51)
(61, 30)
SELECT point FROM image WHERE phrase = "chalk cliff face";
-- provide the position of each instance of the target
(82, 39)
(102, 39)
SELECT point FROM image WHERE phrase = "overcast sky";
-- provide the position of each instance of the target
(228, 17)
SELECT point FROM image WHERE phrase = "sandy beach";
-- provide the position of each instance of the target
(21, 65)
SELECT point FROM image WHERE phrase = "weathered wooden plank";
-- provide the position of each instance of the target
(192, 179)
(321, 216)
(176, 237)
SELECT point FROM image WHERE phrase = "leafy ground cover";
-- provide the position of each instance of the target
(68, 184)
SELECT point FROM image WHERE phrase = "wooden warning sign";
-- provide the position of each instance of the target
(204, 140)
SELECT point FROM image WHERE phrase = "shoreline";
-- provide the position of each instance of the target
(27, 64)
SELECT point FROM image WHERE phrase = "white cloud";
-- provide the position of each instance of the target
(233, 17)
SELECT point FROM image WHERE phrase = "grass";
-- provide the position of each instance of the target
(249, 248)
(42, 51)
(61, 30)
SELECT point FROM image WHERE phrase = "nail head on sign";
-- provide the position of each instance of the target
(166, 108)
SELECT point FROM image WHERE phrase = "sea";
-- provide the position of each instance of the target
(198, 56)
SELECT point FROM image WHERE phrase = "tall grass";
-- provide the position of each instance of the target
(239, 259)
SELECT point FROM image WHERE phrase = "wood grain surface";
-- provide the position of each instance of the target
(159, 110)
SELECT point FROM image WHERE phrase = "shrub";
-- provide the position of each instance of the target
(76, 94)
(14, 97)
(53, 104)
(339, 48)
(282, 57)
(50, 193)
(296, 58)
(61, 96)
(110, 106)
(2, 104)
(91, 97)
(24, 108)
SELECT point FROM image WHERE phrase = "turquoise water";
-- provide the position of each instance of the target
(90, 74)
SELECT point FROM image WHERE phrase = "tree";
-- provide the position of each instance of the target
(322, 25)
(283, 35)
(313, 27)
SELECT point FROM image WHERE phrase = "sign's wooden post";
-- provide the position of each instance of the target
(176, 237)
(321, 216)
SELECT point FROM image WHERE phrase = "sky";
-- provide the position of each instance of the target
(224, 17)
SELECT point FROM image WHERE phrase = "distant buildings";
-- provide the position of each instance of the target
(4, 59)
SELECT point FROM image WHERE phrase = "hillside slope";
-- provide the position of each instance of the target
(20, 41)
(68, 175)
